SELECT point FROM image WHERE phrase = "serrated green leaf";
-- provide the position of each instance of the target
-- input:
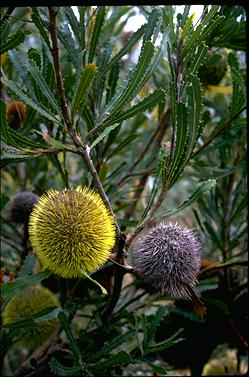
(131, 86)
(160, 313)
(119, 358)
(5, 31)
(103, 134)
(212, 12)
(30, 101)
(71, 338)
(43, 315)
(167, 343)
(153, 20)
(13, 41)
(39, 79)
(182, 138)
(27, 267)
(191, 42)
(12, 288)
(112, 345)
(39, 25)
(61, 370)
(208, 30)
(86, 78)
(73, 22)
(194, 109)
(84, 273)
(99, 21)
(4, 129)
(150, 101)
(16, 139)
(199, 192)
(198, 58)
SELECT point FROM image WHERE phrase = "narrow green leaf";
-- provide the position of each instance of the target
(87, 116)
(167, 343)
(132, 85)
(103, 134)
(4, 129)
(61, 370)
(182, 137)
(112, 82)
(27, 267)
(191, 42)
(198, 58)
(100, 17)
(30, 101)
(5, 31)
(208, 30)
(119, 358)
(194, 110)
(71, 338)
(43, 315)
(86, 78)
(187, 27)
(13, 41)
(199, 192)
(73, 22)
(153, 20)
(121, 146)
(208, 17)
(161, 171)
(112, 345)
(10, 289)
(39, 79)
(159, 316)
(131, 42)
(148, 103)
(39, 25)
(84, 273)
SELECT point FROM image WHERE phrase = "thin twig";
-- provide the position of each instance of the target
(154, 140)
(225, 125)
(149, 216)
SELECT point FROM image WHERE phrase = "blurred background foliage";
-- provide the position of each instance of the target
(130, 94)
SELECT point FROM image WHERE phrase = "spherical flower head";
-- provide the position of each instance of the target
(21, 206)
(168, 258)
(29, 302)
(71, 231)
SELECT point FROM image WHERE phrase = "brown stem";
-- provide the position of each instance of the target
(81, 147)
(225, 125)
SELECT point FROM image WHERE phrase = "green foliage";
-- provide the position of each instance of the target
(137, 122)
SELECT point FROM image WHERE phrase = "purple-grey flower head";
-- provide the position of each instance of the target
(168, 259)
(21, 206)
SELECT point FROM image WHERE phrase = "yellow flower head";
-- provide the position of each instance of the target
(31, 301)
(71, 230)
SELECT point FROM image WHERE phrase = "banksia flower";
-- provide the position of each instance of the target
(20, 207)
(214, 69)
(29, 302)
(71, 230)
(15, 114)
(168, 259)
